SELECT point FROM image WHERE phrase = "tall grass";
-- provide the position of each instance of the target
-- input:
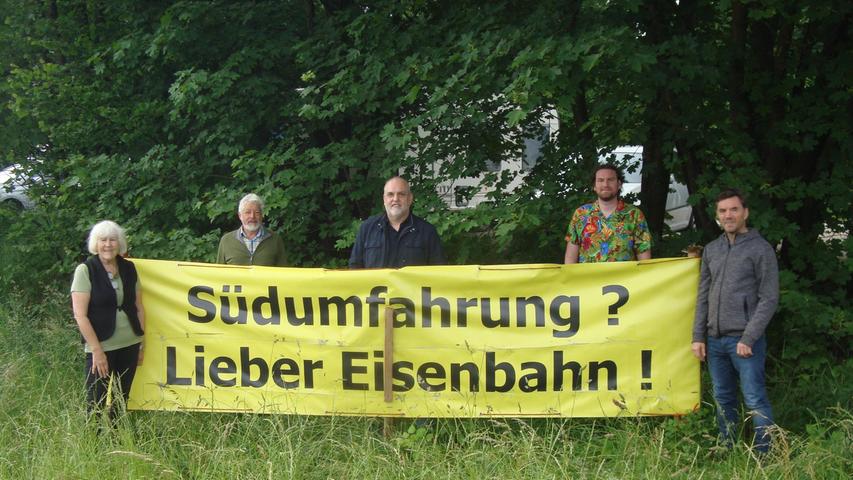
(43, 434)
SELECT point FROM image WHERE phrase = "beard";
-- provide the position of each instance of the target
(252, 227)
(397, 212)
(607, 196)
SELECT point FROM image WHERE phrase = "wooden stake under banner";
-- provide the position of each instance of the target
(388, 356)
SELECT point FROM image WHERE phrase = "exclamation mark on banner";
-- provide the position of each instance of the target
(647, 369)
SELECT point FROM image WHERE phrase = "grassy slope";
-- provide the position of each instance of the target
(43, 434)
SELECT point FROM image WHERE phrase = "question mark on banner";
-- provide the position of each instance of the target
(613, 310)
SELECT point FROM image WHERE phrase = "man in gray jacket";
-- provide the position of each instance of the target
(738, 294)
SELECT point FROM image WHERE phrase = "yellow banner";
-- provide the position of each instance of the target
(587, 340)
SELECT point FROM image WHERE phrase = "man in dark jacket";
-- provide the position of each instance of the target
(396, 238)
(738, 294)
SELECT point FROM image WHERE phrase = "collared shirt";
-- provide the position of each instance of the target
(392, 238)
(615, 238)
(252, 243)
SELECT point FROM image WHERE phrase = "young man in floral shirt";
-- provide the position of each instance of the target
(608, 230)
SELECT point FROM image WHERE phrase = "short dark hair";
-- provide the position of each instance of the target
(608, 166)
(400, 177)
(393, 177)
(731, 193)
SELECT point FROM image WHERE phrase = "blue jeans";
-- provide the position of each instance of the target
(727, 368)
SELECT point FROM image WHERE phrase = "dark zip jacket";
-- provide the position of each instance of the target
(418, 244)
(103, 302)
(738, 288)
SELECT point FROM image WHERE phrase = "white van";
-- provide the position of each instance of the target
(630, 157)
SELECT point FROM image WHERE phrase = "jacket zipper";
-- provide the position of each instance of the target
(722, 282)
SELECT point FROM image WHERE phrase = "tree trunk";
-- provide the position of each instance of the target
(655, 181)
(580, 115)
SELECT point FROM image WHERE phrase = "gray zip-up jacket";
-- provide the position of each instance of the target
(738, 288)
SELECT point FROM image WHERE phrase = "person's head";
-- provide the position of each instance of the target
(107, 239)
(732, 211)
(397, 198)
(607, 181)
(251, 212)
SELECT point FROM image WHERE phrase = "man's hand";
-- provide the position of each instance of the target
(699, 350)
(744, 350)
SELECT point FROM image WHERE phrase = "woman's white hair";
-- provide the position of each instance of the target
(250, 198)
(107, 229)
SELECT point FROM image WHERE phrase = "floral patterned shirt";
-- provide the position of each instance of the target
(619, 237)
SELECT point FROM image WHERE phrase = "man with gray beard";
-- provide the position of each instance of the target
(251, 244)
(396, 238)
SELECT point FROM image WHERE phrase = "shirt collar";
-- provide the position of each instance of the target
(620, 205)
(407, 222)
(260, 234)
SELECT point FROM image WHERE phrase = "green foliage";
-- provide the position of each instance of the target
(824, 315)
(31, 265)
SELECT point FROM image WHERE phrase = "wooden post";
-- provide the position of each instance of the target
(388, 356)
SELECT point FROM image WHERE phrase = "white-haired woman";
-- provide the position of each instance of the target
(107, 306)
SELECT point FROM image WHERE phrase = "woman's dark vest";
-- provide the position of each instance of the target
(103, 303)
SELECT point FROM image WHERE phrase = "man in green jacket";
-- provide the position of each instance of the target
(251, 244)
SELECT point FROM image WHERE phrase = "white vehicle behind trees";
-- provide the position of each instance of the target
(468, 192)
(13, 195)
(630, 157)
